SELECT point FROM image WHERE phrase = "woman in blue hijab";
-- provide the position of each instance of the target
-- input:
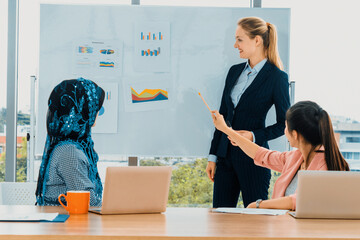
(69, 161)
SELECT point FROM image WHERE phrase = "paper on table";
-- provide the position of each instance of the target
(258, 211)
(29, 217)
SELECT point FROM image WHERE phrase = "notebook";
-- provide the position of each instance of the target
(328, 194)
(135, 190)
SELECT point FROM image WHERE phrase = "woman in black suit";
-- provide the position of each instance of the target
(251, 88)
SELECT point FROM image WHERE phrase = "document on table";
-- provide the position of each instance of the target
(34, 217)
(258, 211)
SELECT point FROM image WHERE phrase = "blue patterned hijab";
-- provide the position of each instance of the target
(73, 107)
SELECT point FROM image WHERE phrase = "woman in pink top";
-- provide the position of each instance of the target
(309, 129)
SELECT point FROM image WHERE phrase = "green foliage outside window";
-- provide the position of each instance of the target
(21, 163)
(190, 185)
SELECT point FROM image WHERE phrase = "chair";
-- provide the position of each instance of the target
(17, 193)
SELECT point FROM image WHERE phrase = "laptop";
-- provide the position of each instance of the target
(328, 194)
(135, 190)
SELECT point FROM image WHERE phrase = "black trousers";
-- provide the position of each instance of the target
(236, 173)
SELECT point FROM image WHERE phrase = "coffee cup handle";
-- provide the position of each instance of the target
(59, 198)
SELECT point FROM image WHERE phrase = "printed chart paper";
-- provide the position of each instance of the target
(147, 95)
(97, 58)
(152, 47)
(107, 120)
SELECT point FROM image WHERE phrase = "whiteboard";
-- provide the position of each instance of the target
(201, 52)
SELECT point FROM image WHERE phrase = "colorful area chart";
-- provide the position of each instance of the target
(107, 64)
(149, 95)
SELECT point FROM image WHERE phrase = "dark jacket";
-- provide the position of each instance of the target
(271, 86)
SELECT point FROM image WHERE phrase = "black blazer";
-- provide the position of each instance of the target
(271, 86)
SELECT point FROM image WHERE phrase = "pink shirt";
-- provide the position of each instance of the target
(288, 163)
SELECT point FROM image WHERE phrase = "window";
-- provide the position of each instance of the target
(319, 43)
(316, 57)
(351, 155)
(347, 155)
(3, 83)
(353, 139)
(27, 66)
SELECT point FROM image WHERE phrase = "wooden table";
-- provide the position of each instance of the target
(176, 223)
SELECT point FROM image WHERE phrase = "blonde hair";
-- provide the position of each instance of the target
(255, 26)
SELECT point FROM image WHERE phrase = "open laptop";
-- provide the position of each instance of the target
(328, 194)
(135, 190)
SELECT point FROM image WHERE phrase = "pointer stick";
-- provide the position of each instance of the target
(205, 102)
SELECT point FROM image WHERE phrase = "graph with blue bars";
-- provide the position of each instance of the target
(152, 36)
(149, 52)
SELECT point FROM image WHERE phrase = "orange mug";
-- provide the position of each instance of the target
(77, 201)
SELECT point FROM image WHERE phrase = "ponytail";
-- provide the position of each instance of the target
(334, 160)
(255, 26)
(272, 52)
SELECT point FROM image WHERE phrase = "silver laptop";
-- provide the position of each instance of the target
(328, 194)
(135, 190)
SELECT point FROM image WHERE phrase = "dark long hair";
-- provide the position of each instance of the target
(314, 124)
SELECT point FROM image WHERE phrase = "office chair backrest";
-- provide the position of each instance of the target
(17, 193)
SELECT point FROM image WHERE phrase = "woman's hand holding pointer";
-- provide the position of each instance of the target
(219, 121)
(236, 138)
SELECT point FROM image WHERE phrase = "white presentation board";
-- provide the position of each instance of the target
(152, 62)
